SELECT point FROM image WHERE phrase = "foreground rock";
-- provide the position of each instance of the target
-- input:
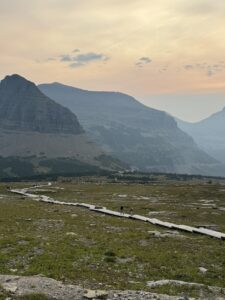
(18, 286)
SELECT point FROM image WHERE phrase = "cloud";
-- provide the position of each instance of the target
(189, 67)
(176, 32)
(163, 69)
(91, 56)
(209, 69)
(81, 59)
(51, 59)
(76, 65)
(210, 73)
(143, 61)
(65, 57)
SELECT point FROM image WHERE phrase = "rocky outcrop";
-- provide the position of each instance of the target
(19, 286)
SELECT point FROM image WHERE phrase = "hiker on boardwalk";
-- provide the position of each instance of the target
(121, 209)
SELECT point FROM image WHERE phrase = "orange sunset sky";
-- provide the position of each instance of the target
(169, 54)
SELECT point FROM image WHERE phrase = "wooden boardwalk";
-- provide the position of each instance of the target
(42, 198)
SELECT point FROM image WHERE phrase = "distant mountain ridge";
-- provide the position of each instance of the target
(39, 136)
(209, 134)
(145, 138)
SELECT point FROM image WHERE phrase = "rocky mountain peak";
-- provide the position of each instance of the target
(17, 83)
(15, 78)
(23, 107)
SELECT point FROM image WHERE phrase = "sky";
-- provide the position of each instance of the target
(169, 54)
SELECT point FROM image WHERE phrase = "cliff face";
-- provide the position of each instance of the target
(23, 107)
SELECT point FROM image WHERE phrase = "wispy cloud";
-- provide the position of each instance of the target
(208, 69)
(51, 59)
(80, 59)
(163, 69)
(65, 58)
(76, 65)
(143, 61)
(86, 58)
(189, 67)
(177, 33)
(76, 50)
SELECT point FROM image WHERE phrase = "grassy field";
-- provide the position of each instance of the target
(97, 251)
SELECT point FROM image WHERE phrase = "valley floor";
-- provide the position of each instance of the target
(95, 251)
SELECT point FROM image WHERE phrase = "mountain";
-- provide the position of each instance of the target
(145, 138)
(209, 134)
(39, 136)
(23, 107)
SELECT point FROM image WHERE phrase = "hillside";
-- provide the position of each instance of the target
(145, 138)
(39, 136)
(209, 134)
